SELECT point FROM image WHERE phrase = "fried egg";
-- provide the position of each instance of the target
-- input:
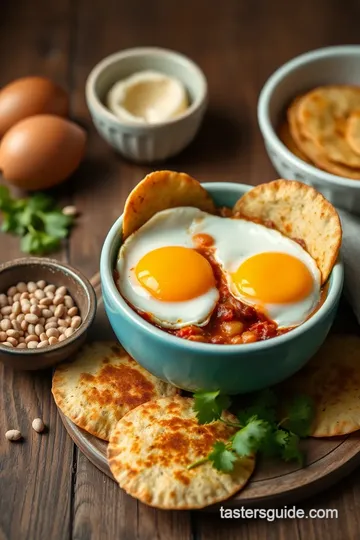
(162, 274)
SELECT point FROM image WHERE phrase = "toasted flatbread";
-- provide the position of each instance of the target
(313, 151)
(352, 132)
(332, 379)
(299, 212)
(158, 191)
(288, 140)
(151, 447)
(322, 115)
(101, 385)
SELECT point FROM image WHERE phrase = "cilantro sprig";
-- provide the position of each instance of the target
(38, 221)
(258, 430)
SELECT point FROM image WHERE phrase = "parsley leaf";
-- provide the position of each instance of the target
(250, 438)
(300, 414)
(37, 220)
(263, 406)
(209, 405)
(222, 458)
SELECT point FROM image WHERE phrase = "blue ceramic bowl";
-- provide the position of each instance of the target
(231, 368)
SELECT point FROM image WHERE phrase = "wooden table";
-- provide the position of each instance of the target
(48, 489)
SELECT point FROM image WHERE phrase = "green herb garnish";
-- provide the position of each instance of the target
(258, 431)
(37, 220)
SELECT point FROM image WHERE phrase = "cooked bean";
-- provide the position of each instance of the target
(31, 318)
(31, 337)
(13, 435)
(68, 301)
(32, 344)
(51, 325)
(13, 341)
(3, 300)
(75, 322)
(52, 332)
(16, 325)
(43, 343)
(5, 324)
(53, 340)
(62, 337)
(69, 332)
(16, 308)
(36, 310)
(31, 329)
(62, 329)
(6, 310)
(31, 286)
(24, 325)
(199, 338)
(25, 307)
(58, 300)
(21, 287)
(46, 313)
(61, 291)
(39, 329)
(236, 340)
(11, 291)
(39, 294)
(232, 328)
(73, 311)
(63, 322)
(7, 344)
(13, 333)
(59, 311)
(45, 302)
(249, 337)
(50, 288)
(20, 317)
(52, 319)
(41, 284)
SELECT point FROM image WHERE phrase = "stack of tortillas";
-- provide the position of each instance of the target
(323, 128)
(153, 432)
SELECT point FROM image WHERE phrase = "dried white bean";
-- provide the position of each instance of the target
(43, 343)
(53, 340)
(31, 318)
(13, 435)
(41, 284)
(76, 321)
(31, 286)
(32, 344)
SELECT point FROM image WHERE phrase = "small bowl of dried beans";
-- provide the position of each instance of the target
(46, 309)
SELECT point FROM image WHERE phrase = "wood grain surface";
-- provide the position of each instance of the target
(48, 489)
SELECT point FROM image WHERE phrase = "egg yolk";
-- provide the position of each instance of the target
(274, 278)
(175, 274)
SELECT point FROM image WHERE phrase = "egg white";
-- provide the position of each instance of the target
(235, 240)
(166, 228)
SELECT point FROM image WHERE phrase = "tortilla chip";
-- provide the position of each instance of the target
(161, 190)
(314, 151)
(332, 380)
(353, 131)
(287, 139)
(299, 212)
(101, 385)
(322, 115)
(151, 447)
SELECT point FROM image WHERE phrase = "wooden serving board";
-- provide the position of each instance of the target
(274, 483)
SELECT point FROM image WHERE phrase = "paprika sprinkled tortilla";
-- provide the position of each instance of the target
(299, 212)
(101, 385)
(161, 190)
(152, 446)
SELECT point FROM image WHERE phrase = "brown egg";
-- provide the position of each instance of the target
(41, 151)
(29, 96)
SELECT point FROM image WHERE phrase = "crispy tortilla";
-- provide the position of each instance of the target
(288, 140)
(101, 385)
(322, 115)
(314, 151)
(299, 212)
(160, 190)
(352, 132)
(151, 447)
(332, 379)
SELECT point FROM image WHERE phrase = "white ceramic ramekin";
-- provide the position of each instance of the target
(144, 142)
(331, 65)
